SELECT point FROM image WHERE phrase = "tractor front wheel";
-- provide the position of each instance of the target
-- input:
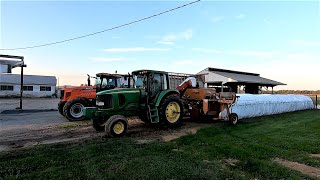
(116, 126)
(171, 111)
(73, 110)
(143, 116)
(60, 107)
(233, 119)
(98, 124)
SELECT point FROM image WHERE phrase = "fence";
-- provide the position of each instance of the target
(316, 99)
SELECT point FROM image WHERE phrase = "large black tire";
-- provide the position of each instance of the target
(171, 111)
(233, 119)
(73, 110)
(143, 115)
(60, 107)
(116, 126)
(98, 124)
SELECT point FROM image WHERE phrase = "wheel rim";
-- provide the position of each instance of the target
(173, 112)
(234, 119)
(76, 110)
(118, 128)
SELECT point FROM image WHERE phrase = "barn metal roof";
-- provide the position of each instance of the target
(7, 78)
(14, 61)
(239, 77)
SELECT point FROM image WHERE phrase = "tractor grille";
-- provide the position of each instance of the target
(104, 101)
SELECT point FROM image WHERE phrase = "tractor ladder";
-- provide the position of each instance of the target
(153, 114)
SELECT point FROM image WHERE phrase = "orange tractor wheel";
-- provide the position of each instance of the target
(73, 110)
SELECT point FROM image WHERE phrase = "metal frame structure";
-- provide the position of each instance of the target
(15, 64)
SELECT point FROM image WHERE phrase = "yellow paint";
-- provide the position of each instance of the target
(118, 128)
(173, 112)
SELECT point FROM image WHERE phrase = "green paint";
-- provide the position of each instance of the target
(115, 91)
(164, 94)
(89, 112)
(135, 99)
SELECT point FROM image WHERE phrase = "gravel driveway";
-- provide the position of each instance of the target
(29, 103)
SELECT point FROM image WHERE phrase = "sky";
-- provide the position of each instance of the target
(278, 40)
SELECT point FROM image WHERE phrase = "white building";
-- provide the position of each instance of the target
(33, 85)
(5, 68)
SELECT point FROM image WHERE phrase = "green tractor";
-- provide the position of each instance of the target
(151, 98)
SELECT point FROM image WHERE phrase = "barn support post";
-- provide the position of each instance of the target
(272, 89)
(316, 102)
(221, 86)
(21, 85)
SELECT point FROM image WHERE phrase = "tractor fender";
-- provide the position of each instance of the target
(164, 94)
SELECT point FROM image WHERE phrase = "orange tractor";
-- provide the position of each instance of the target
(74, 99)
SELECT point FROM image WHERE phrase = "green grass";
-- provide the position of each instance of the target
(254, 142)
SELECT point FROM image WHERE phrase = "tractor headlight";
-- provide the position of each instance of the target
(100, 103)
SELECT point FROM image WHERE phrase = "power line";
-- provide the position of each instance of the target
(109, 29)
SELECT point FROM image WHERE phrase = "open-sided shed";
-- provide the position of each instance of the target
(229, 80)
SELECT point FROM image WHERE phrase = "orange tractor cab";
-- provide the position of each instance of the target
(74, 99)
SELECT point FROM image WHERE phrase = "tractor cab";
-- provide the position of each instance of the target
(106, 81)
(153, 82)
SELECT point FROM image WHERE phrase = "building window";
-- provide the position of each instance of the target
(6, 88)
(28, 88)
(45, 88)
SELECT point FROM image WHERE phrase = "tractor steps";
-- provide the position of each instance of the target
(153, 114)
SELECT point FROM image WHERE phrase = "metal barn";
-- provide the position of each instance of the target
(236, 81)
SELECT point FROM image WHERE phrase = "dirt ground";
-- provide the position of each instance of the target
(30, 129)
(304, 169)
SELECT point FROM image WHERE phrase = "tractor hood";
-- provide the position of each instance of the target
(68, 89)
(123, 90)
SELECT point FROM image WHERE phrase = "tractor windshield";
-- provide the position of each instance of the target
(138, 80)
(106, 83)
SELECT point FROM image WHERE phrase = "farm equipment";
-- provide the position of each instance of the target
(155, 101)
(206, 103)
(73, 100)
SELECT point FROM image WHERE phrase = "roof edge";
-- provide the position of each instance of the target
(232, 71)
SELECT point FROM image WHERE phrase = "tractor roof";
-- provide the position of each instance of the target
(147, 71)
(109, 75)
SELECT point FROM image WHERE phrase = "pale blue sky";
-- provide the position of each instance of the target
(279, 40)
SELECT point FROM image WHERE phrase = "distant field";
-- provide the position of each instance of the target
(314, 98)
(246, 151)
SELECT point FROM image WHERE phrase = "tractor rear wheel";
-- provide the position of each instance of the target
(144, 117)
(73, 110)
(60, 107)
(116, 126)
(171, 111)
